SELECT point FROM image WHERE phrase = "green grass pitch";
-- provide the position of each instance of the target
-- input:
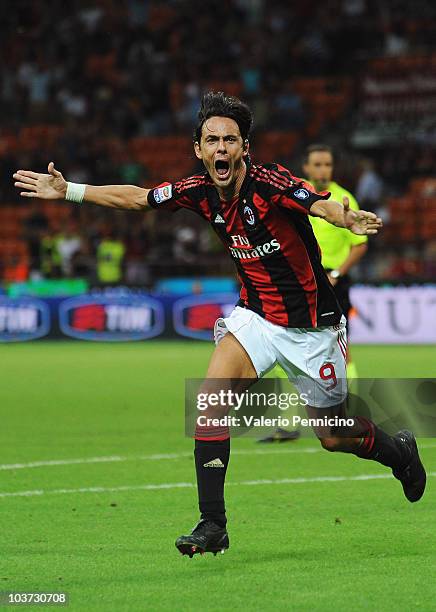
(104, 530)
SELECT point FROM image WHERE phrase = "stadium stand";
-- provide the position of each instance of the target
(111, 95)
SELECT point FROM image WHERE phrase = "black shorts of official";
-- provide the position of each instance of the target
(342, 292)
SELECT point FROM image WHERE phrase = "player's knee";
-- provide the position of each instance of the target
(331, 444)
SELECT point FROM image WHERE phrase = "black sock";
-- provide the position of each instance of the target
(211, 460)
(379, 446)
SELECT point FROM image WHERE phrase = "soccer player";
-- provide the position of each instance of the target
(288, 312)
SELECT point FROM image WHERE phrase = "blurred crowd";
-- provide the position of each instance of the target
(105, 72)
(116, 248)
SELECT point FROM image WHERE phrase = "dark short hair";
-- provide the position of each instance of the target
(217, 104)
(316, 148)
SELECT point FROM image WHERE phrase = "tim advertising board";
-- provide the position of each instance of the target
(195, 316)
(111, 319)
(23, 319)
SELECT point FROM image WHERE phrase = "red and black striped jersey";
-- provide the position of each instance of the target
(267, 232)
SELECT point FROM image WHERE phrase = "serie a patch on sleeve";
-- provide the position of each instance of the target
(162, 194)
(301, 194)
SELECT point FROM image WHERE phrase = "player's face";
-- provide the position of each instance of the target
(319, 169)
(221, 149)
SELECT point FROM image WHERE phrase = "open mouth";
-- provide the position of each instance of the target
(222, 168)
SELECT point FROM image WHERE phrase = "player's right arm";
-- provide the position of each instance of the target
(53, 186)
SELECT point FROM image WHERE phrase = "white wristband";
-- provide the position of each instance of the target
(75, 192)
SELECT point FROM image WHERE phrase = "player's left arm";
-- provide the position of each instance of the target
(360, 222)
(358, 246)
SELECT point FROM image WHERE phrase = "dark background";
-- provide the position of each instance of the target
(109, 91)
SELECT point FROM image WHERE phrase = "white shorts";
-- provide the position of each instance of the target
(313, 358)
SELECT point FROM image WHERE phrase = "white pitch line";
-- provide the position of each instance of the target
(191, 485)
(163, 456)
(51, 462)
(155, 457)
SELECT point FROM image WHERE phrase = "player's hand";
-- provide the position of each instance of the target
(333, 281)
(51, 186)
(360, 222)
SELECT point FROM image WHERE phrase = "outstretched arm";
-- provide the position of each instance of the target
(53, 186)
(359, 222)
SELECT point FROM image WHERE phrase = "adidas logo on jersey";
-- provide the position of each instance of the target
(215, 463)
(219, 219)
